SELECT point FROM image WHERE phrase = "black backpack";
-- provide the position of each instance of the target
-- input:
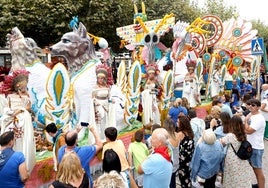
(245, 150)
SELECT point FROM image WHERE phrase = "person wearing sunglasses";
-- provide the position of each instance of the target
(254, 128)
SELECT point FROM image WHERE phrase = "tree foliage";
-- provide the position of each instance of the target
(103, 17)
(43, 20)
(47, 20)
(218, 8)
(262, 30)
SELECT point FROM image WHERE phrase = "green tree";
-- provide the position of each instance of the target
(219, 8)
(262, 30)
(103, 17)
(43, 20)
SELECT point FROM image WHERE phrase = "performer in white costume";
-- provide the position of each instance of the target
(17, 117)
(215, 81)
(150, 95)
(190, 89)
(103, 105)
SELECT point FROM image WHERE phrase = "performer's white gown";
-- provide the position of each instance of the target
(215, 83)
(190, 91)
(25, 141)
(149, 105)
(103, 110)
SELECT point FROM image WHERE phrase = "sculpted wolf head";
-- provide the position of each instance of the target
(24, 51)
(76, 47)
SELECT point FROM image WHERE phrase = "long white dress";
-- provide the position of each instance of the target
(215, 85)
(22, 126)
(103, 110)
(190, 90)
(150, 111)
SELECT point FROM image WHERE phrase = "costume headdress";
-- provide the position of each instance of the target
(152, 67)
(105, 71)
(190, 63)
(13, 81)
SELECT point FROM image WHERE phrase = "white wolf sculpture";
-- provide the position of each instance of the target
(77, 49)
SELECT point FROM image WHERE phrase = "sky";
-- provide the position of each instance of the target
(248, 9)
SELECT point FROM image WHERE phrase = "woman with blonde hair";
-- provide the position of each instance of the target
(207, 159)
(110, 180)
(214, 114)
(177, 110)
(70, 173)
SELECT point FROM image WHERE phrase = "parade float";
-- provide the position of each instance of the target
(221, 52)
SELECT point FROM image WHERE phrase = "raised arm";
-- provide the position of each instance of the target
(98, 142)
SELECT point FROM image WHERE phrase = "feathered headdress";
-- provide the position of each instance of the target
(104, 70)
(190, 63)
(152, 67)
(8, 85)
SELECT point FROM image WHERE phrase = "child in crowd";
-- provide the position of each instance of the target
(148, 140)
(137, 152)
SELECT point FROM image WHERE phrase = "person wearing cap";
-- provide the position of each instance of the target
(13, 171)
(254, 128)
(206, 160)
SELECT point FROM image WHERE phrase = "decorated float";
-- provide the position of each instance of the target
(215, 52)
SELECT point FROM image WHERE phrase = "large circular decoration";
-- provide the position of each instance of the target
(237, 61)
(214, 27)
(206, 57)
(198, 42)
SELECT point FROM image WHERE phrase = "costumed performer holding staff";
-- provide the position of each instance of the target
(150, 95)
(103, 104)
(17, 117)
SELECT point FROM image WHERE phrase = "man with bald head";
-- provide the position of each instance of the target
(157, 168)
(85, 153)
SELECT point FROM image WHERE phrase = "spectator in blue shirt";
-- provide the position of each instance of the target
(236, 86)
(249, 88)
(177, 110)
(13, 171)
(235, 101)
(85, 153)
